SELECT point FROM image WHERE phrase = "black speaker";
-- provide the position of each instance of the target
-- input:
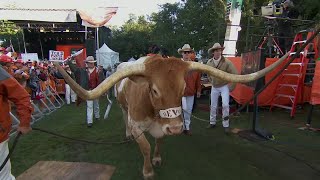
(90, 46)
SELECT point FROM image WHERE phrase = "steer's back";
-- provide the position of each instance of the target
(126, 89)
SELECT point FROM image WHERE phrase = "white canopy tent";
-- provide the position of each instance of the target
(106, 56)
(131, 59)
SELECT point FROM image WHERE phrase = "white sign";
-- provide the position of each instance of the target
(56, 55)
(171, 112)
(32, 56)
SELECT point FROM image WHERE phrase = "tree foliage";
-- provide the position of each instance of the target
(10, 34)
(133, 38)
(199, 23)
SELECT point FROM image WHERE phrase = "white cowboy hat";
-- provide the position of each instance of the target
(214, 47)
(185, 47)
(90, 59)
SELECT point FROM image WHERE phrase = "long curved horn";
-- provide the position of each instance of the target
(233, 77)
(134, 69)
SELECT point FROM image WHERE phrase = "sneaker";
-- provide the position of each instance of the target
(97, 119)
(89, 125)
(211, 126)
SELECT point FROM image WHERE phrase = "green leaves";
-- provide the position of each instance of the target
(8, 28)
(133, 38)
(9, 33)
(200, 23)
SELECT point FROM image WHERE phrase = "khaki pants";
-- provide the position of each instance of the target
(5, 173)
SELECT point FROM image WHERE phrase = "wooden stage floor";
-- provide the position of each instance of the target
(57, 170)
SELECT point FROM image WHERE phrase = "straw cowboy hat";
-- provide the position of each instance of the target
(215, 47)
(185, 47)
(90, 59)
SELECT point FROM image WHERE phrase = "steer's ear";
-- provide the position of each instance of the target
(138, 79)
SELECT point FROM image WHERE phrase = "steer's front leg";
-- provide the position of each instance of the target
(156, 160)
(145, 149)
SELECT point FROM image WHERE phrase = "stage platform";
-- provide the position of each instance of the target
(57, 170)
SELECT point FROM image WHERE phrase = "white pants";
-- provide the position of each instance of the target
(215, 93)
(187, 104)
(5, 174)
(92, 105)
(70, 92)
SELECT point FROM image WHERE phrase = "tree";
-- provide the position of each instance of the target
(199, 23)
(133, 38)
(10, 34)
(165, 31)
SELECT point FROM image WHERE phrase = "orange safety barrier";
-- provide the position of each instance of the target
(60, 86)
(315, 91)
(243, 93)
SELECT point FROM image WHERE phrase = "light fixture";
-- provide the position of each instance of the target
(67, 30)
(41, 29)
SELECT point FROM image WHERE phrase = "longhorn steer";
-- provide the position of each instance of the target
(149, 92)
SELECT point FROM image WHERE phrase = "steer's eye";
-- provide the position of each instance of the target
(154, 91)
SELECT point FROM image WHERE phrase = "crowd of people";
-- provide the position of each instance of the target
(35, 77)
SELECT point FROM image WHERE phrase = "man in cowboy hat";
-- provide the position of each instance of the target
(220, 86)
(193, 87)
(94, 81)
(88, 78)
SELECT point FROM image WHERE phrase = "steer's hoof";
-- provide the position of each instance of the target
(156, 161)
(148, 176)
(129, 138)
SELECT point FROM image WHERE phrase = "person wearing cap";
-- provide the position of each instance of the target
(11, 91)
(220, 87)
(29, 63)
(21, 72)
(69, 91)
(7, 63)
(193, 87)
(3, 50)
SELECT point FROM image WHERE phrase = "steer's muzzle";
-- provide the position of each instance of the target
(173, 128)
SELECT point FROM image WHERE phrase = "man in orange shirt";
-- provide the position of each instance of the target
(193, 86)
(11, 90)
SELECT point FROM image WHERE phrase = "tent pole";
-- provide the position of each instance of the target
(24, 42)
(97, 38)
(19, 44)
(86, 33)
(41, 47)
